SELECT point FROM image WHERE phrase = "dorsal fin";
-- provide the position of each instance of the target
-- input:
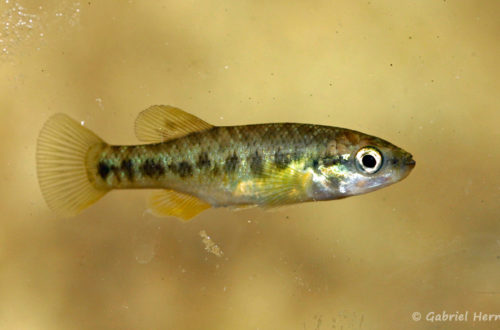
(160, 123)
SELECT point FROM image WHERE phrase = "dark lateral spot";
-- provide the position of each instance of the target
(256, 163)
(152, 168)
(215, 170)
(231, 163)
(203, 161)
(330, 161)
(103, 170)
(281, 159)
(315, 163)
(185, 169)
(126, 167)
(116, 172)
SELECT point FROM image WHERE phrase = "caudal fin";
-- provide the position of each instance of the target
(61, 158)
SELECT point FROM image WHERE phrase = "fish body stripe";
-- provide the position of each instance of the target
(221, 153)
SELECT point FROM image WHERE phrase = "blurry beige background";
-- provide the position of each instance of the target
(421, 74)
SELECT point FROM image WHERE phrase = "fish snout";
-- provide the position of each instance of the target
(409, 161)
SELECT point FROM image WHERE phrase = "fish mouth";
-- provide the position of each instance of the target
(410, 163)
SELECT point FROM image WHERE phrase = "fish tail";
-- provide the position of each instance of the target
(61, 157)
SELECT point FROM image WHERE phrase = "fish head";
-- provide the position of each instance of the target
(366, 165)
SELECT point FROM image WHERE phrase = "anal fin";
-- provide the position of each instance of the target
(175, 204)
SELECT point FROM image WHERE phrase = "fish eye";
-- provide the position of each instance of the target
(369, 159)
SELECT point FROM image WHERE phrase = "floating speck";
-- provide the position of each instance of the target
(210, 246)
(99, 102)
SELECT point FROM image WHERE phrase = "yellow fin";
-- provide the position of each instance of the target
(172, 203)
(160, 123)
(278, 187)
(61, 157)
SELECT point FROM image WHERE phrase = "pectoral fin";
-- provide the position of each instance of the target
(175, 204)
(278, 187)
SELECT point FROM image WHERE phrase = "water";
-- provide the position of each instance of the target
(423, 75)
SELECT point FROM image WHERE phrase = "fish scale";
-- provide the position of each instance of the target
(199, 165)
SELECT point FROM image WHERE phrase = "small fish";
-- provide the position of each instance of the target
(198, 166)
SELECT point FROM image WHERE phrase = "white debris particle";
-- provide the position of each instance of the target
(99, 102)
(82, 122)
(144, 252)
(210, 246)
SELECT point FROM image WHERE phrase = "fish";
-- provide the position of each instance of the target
(194, 166)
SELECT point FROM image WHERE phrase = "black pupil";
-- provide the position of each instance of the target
(369, 161)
